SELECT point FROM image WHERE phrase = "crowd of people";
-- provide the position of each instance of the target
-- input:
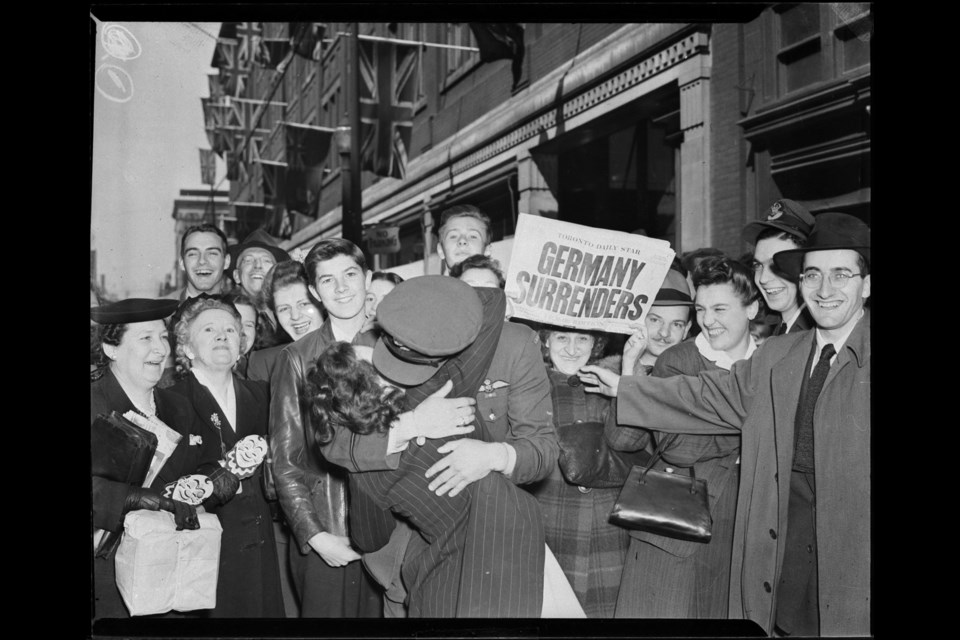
(431, 456)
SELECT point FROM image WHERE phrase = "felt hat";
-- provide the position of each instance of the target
(785, 215)
(674, 292)
(133, 310)
(833, 231)
(259, 239)
(425, 320)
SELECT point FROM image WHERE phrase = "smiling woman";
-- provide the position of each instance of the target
(208, 345)
(132, 339)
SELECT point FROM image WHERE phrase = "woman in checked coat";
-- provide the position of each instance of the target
(590, 550)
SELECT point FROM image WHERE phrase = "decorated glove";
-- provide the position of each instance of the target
(245, 456)
(184, 515)
(192, 489)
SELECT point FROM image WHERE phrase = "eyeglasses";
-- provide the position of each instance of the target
(838, 279)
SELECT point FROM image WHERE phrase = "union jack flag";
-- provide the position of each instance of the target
(208, 167)
(388, 91)
(307, 146)
(272, 52)
(233, 71)
(249, 35)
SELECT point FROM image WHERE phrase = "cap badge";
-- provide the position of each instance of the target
(776, 210)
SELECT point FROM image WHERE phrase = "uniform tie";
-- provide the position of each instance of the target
(803, 454)
(781, 329)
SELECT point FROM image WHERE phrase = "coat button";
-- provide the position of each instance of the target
(584, 489)
(767, 587)
(773, 534)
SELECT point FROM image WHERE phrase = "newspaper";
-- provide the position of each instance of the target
(585, 278)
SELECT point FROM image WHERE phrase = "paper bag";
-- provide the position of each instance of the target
(160, 569)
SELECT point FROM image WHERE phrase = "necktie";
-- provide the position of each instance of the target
(781, 329)
(803, 427)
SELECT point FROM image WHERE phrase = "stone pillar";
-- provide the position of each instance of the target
(694, 216)
(535, 196)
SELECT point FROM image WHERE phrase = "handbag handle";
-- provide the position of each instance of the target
(665, 446)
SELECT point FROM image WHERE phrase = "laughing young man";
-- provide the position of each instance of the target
(204, 259)
(786, 226)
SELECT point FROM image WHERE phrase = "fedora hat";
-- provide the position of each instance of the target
(259, 239)
(832, 231)
(674, 292)
(784, 215)
(425, 320)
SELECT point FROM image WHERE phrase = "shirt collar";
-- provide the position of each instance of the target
(837, 344)
(720, 358)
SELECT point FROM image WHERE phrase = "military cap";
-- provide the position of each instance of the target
(785, 215)
(133, 310)
(425, 320)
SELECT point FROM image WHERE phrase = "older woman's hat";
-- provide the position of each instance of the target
(833, 231)
(785, 215)
(674, 292)
(259, 239)
(425, 320)
(133, 310)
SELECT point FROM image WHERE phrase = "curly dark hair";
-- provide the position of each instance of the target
(479, 261)
(345, 391)
(723, 269)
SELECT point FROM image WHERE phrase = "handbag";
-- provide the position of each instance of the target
(587, 460)
(119, 451)
(666, 504)
(160, 569)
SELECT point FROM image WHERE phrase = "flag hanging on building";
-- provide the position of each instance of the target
(233, 165)
(499, 41)
(273, 178)
(272, 52)
(249, 35)
(233, 73)
(242, 115)
(208, 167)
(388, 90)
(304, 38)
(297, 195)
(307, 145)
(216, 88)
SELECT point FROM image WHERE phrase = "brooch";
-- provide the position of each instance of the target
(195, 440)
(490, 387)
(215, 419)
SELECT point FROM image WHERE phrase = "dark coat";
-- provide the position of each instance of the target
(261, 363)
(669, 578)
(759, 398)
(108, 497)
(249, 581)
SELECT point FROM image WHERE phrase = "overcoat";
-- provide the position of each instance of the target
(197, 452)
(590, 550)
(759, 397)
(248, 584)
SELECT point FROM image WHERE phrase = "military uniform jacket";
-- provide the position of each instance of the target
(759, 397)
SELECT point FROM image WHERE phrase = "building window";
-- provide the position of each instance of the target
(458, 62)
(820, 41)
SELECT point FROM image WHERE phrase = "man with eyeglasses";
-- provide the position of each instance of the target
(786, 226)
(801, 557)
(253, 258)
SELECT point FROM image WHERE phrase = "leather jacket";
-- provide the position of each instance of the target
(312, 491)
